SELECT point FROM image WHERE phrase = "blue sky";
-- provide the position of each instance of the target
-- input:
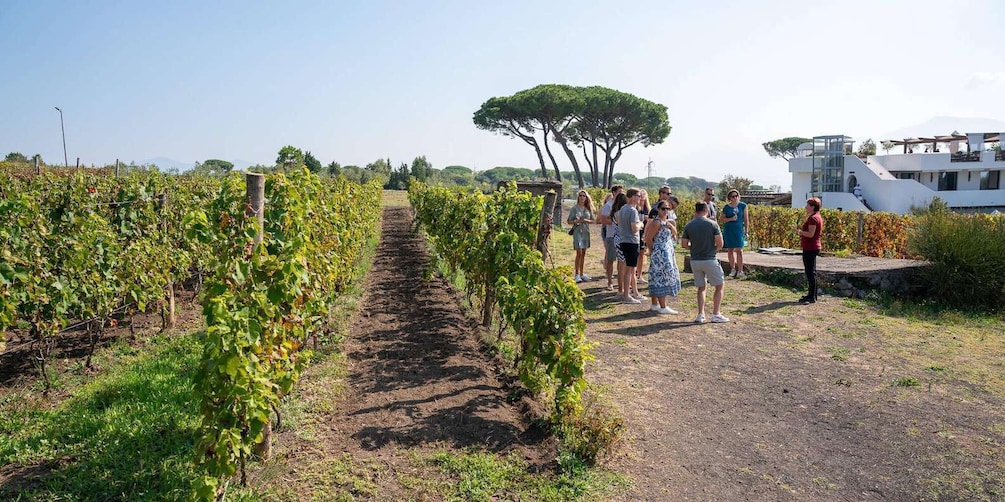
(357, 81)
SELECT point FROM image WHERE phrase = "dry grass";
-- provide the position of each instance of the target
(394, 198)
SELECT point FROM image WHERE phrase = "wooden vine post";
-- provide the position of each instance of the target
(544, 228)
(168, 316)
(256, 208)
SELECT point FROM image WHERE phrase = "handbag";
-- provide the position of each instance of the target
(572, 229)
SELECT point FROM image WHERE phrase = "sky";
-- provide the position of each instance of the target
(356, 81)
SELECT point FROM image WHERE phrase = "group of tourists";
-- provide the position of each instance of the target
(632, 229)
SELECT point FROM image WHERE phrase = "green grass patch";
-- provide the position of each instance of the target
(485, 476)
(839, 353)
(128, 434)
(906, 382)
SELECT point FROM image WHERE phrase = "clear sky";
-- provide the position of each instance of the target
(357, 81)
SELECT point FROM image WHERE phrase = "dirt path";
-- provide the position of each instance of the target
(792, 402)
(417, 378)
(417, 372)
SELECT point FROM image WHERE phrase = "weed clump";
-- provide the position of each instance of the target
(590, 434)
(964, 250)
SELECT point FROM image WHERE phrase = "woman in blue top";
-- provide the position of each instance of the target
(735, 228)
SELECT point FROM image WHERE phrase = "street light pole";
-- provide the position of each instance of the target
(66, 160)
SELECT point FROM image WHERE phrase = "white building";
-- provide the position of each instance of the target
(956, 168)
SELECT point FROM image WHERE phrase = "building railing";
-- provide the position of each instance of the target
(965, 157)
(999, 156)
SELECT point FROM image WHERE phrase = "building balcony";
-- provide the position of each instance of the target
(965, 157)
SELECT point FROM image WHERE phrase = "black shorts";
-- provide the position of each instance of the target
(631, 252)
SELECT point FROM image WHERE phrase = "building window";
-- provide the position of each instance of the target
(947, 181)
(907, 176)
(990, 180)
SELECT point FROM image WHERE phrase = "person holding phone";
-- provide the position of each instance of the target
(735, 229)
(580, 217)
(660, 235)
(809, 241)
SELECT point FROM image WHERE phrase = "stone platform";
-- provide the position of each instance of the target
(852, 276)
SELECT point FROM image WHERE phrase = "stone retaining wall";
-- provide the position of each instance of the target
(903, 281)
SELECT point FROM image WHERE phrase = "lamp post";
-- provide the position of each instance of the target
(66, 161)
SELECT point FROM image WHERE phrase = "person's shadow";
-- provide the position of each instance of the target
(769, 307)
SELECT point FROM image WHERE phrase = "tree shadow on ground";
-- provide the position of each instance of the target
(128, 440)
(420, 373)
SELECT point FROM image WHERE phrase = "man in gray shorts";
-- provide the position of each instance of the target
(703, 237)
(610, 250)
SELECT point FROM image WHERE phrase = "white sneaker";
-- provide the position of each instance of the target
(740, 275)
(641, 281)
(630, 300)
(586, 277)
(700, 319)
(719, 318)
(668, 310)
(655, 308)
(579, 279)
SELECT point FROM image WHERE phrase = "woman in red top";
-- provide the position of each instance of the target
(809, 241)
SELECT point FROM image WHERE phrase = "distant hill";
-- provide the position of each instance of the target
(940, 126)
(165, 164)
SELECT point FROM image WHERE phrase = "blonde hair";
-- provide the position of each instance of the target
(589, 200)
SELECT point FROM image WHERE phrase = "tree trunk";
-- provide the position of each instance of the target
(554, 163)
(572, 159)
(593, 171)
(540, 156)
(95, 336)
(168, 317)
(490, 300)
(596, 166)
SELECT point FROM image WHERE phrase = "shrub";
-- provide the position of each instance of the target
(967, 253)
(593, 432)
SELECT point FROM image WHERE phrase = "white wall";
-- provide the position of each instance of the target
(914, 162)
(801, 165)
(841, 200)
(974, 198)
(800, 188)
